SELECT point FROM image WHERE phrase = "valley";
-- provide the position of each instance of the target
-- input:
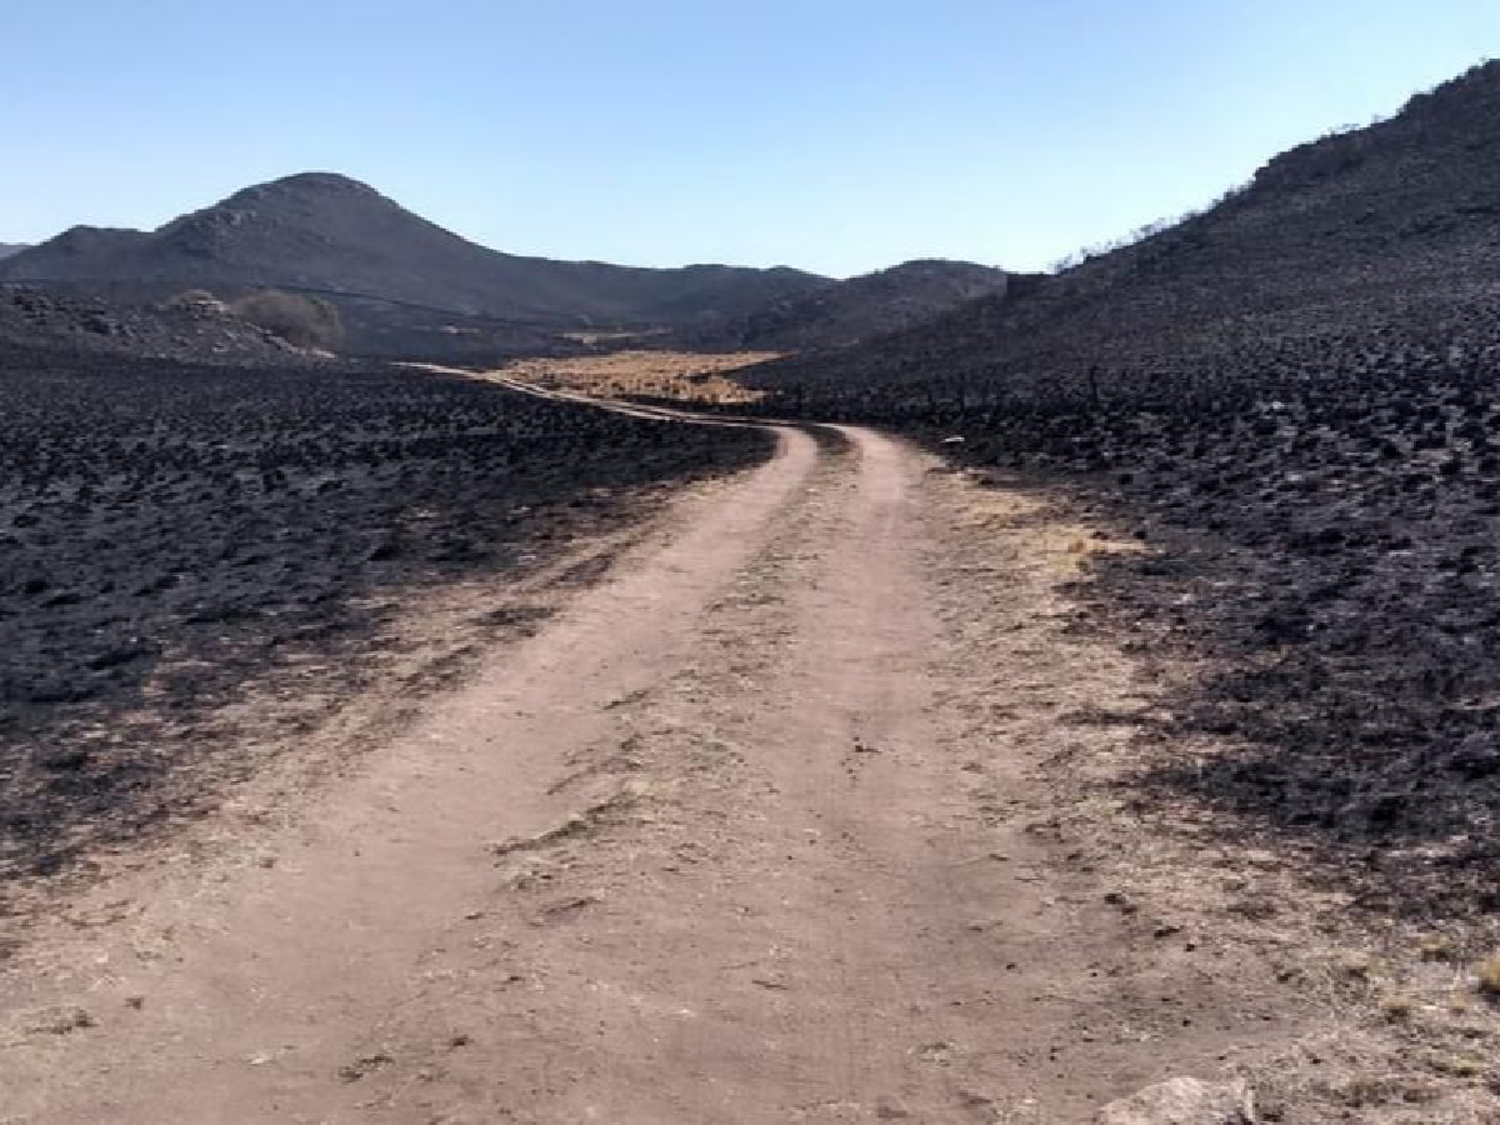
(446, 685)
(732, 836)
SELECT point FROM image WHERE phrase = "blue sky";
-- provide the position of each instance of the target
(836, 135)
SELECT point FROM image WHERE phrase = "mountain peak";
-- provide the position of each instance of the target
(327, 185)
(279, 220)
(333, 182)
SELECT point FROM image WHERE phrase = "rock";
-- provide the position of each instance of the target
(62, 1020)
(1183, 1101)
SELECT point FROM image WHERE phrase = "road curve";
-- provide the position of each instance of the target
(713, 845)
(720, 905)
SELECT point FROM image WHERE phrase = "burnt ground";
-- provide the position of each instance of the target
(173, 535)
(1310, 598)
(1323, 508)
(1332, 557)
(748, 834)
(1289, 403)
(1071, 766)
(1139, 653)
(1315, 598)
(32, 320)
(1321, 534)
(1293, 397)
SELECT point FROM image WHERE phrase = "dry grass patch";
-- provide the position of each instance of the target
(1489, 977)
(1066, 547)
(1397, 1006)
(682, 376)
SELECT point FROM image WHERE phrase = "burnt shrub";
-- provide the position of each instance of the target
(297, 318)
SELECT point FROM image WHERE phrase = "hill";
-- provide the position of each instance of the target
(9, 249)
(328, 234)
(1398, 222)
(34, 322)
(1289, 404)
(847, 312)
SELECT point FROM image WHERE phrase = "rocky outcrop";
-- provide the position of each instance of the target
(1183, 1101)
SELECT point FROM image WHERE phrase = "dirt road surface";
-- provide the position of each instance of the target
(726, 841)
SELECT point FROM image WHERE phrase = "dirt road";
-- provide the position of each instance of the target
(724, 842)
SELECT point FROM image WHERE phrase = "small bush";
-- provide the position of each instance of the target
(1489, 976)
(1437, 947)
(194, 299)
(1397, 1007)
(300, 320)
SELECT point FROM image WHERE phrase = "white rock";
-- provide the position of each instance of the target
(1183, 1101)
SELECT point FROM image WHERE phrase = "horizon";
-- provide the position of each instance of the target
(838, 142)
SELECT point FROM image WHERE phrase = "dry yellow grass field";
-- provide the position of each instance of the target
(684, 376)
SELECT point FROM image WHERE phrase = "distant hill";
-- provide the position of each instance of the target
(7, 249)
(1395, 223)
(844, 313)
(329, 234)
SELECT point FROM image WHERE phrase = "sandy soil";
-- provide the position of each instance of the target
(748, 832)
